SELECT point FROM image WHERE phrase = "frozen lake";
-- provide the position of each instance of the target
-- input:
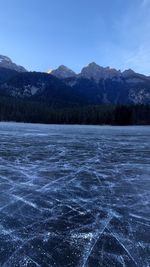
(74, 196)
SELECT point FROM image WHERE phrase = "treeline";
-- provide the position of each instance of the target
(12, 109)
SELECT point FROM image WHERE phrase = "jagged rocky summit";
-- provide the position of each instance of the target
(94, 85)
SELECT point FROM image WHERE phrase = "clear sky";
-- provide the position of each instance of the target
(42, 34)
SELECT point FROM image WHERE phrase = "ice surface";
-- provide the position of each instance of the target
(74, 196)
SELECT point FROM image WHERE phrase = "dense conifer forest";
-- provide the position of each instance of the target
(18, 110)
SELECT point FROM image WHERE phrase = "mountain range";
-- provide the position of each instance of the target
(94, 85)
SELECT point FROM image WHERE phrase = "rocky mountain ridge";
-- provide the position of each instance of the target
(95, 72)
(95, 85)
(6, 62)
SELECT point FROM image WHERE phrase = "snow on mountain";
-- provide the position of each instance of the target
(6, 62)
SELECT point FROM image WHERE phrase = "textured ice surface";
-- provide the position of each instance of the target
(74, 196)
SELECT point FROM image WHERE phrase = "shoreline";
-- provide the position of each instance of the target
(75, 124)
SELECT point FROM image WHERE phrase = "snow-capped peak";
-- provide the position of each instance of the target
(6, 62)
(5, 59)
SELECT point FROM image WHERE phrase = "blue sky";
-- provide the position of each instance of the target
(42, 34)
